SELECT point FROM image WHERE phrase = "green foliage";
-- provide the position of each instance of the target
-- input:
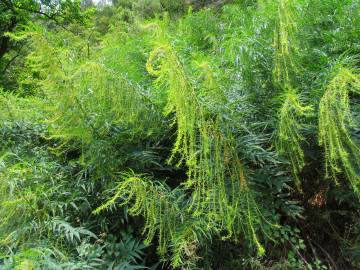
(90, 105)
(151, 8)
(18, 13)
(335, 118)
(214, 169)
(289, 132)
(291, 112)
(207, 134)
(44, 212)
(159, 207)
(285, 46)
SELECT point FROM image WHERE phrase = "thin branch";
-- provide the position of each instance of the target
(50, 17)
(326, 254)
(12, 59)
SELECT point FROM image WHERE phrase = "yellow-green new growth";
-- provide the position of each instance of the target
(153, 201)
(284, 42)
(342, 153)
(181, 99)
(289, 136)
(215, 172)
(289, 131)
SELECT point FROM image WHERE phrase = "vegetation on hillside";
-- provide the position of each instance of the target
(162, 134)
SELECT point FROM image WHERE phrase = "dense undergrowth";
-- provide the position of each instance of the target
(183, 135)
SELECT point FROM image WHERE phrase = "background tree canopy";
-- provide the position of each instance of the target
(162, 134)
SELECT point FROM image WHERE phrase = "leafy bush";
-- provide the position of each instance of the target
(162, 136)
